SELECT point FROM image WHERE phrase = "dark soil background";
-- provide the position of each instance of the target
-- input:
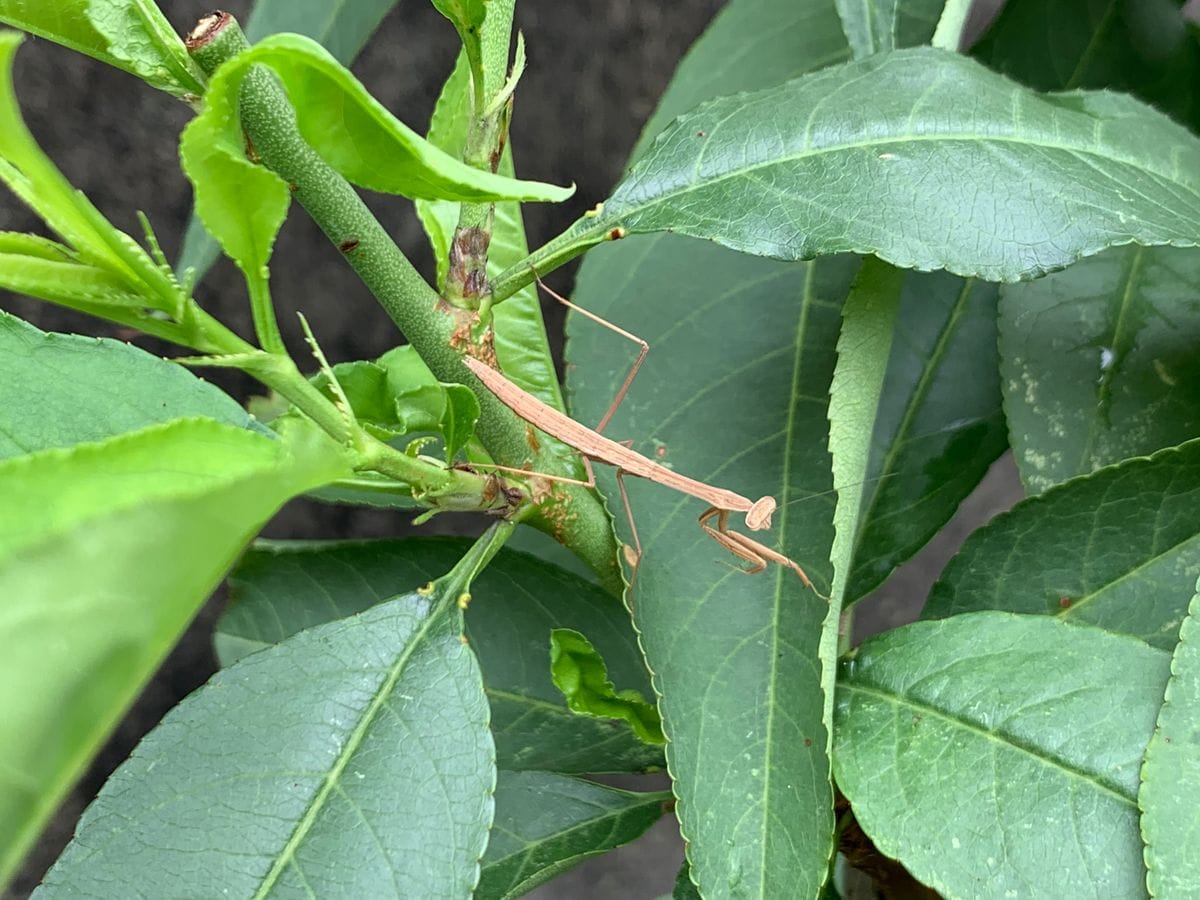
(595, 73)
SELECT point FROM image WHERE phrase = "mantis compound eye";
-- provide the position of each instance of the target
(758, 516)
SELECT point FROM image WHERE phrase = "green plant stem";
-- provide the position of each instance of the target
(457, 582)
(263, 310)
(441, 334)
(948, 35)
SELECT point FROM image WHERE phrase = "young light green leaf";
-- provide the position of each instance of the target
(953, 737)
(59, 389)
(353, 759)
(130, 34)
(580, 673)
(881, 26)
(547, 823)
(447, 131)
(1171, 772)
(1119, 549)
(467, 17)
(341, 28)
(95, 599)
(459, 418)
(31, 175)
(1098, 363)
(940, 412)
(844, 160)
(855, 396)
(69, 284)
(279, 589)
(57, 490)
(1145, 48)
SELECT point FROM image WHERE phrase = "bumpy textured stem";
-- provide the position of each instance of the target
(440, 333)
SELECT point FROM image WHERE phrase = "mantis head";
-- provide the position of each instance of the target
(758, 516)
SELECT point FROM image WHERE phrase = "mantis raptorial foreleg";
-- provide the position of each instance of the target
(743, 547)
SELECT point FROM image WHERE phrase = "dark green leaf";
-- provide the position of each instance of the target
(684, 889)
(997, 755)
(130, 34)
(1119, 549)
(580, 673)
(1171, 773)
(546, 823)
(862, 157)
(94, 601)
(1139, 46)
(734, 393)
(880, 26)
(353, 760)
(341, 28)
(1099, 361)
(279, 589)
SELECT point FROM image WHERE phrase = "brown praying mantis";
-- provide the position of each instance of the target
(594, 446)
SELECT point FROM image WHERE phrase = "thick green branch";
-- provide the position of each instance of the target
(440, 333)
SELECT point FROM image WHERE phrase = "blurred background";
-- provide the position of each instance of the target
(595, 73)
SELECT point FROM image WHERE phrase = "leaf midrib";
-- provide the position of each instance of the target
(349, 749)
(604, 223)
(987, 735)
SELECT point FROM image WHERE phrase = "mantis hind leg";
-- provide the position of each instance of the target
(637, 363)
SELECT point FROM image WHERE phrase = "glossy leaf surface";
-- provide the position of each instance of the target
(1098, 362)
(845, 159)
(1171, 773)
(993, 753)
(353, 759)
(279, 589)
(547, 823)
(130, 34)
(1119, 549)
(96, 599)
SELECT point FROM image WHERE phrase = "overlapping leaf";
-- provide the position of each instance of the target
(1119, 549)
(881, 156)
(103, 584)
(1171, 773)
(1141, 47)
(996, 755)
(130, 34)
(279, 589)
(547, 823)
(883, 25)
(62, 389)
(1098, 362)
(352, 759)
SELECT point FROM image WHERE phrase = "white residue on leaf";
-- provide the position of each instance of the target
(1166, 377)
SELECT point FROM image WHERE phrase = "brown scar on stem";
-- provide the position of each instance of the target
(348, 246)
(206, 29)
